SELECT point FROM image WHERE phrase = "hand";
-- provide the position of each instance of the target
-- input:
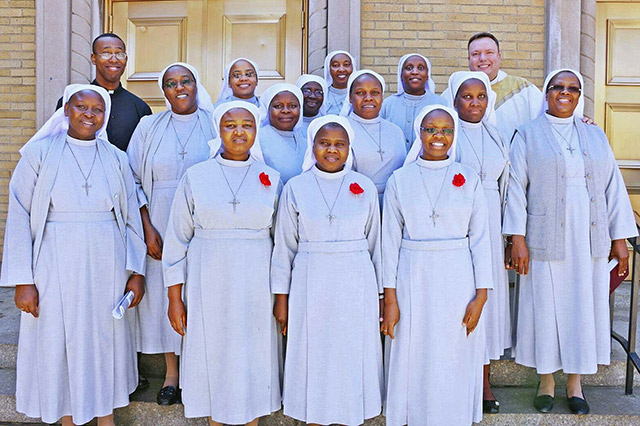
(27, 299)
(154, 241)
(281, 312)
(391, 316)
(519, 255)
(136, 285)
(177, 316)
(588, 120)
(620, 251)
(474, 310)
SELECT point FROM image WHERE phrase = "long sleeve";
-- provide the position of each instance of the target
(135, 152)
(180, 231)
(17, 259)
(372, 231)
(392, 226)
(286, 243)
(136, 247)
(480, 240)
(515, 215)
(622, 223)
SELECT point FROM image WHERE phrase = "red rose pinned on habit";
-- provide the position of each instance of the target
(355, 188)
(264, 179)
(459, 180)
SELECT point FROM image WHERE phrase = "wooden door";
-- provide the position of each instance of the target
(208, 34)
(617, 85)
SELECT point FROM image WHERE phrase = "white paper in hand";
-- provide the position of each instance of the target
(612, 264)
(122, 305)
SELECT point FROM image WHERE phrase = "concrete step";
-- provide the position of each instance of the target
(609, 406)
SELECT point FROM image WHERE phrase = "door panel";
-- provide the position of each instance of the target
(617, 85)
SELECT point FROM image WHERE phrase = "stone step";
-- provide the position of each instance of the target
(609, 406)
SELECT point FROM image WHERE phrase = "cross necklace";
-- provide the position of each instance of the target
(377, 142)
(235, 200)
(86, 185)
(433, 206)
(570, 147)
(482, 173)
(330, 216)
(182, 152)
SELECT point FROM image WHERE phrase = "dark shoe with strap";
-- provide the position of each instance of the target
(490, 406)
(543, 403)
(168, 395)
(578, 405)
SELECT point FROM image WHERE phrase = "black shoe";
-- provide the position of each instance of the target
(143, 383)
(578, 405)
(490, 406)
(543, 403)
(168, 395)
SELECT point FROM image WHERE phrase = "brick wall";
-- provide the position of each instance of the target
(440, 29)
(17, 88)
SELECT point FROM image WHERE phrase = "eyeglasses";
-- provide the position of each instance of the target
(239, 75)
(317, 92)
(173, 84)
(559, 89)
(121, 56)
(434, 130)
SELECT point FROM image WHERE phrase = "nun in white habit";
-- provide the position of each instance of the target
(240, 82)
(73, 241)
(435, 239)
(312, 97)
(568, 211)
(378, 147)
(324, 272)
(338, 67)
(282, 136)
(416, 90)
(218, 247)
(161, 149)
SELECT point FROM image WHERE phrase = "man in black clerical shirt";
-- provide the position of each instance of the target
(110, 58)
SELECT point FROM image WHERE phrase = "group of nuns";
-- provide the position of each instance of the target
(322, 213)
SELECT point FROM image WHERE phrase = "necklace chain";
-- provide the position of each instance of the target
(86, 185)
(377, 142)
(482, 174)
(330, 216)
(570, 147)
(235, 201)
(434, 215)
(182, 152)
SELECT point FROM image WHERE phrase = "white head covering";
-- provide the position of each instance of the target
(59, 123)
(579, 111)
(271, 93)
(416, 148)
(458, 78)
(307, 78)
(346, 106)
(431, 85)
(314, 127)
(203, 99)
(226, 90)
(327, 64)
(215, 145)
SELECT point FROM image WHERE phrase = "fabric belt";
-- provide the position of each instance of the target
(81, 216)
(333, 246)
(163, 184)
(490, 184)
(233, 234)
(435, 245)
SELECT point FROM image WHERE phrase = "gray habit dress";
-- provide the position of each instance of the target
(433, 369)
(75, 358)
(333, 364)
(221, 251)
(154, 155)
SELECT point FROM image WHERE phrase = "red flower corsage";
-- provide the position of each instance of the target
(264, 179)
(355, 188)
(459, 180)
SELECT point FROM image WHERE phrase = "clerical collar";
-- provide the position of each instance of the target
(118, 89)
(433, 164)
(234, 163)
(501, 76)
(356, 117)
(81, 142)
(558, 120)
(326, 175)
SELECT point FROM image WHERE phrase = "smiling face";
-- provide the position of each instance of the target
(180, 89)
(243, 79)
(485, 56)
(284, 111)
(436, 134)
(341, 68)
(331, 147)
(313, 98)
(563, 94)
(86, 111)
(366, 96)
(471, 101)
(415, 75)
(109, 71)
(238, 133)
